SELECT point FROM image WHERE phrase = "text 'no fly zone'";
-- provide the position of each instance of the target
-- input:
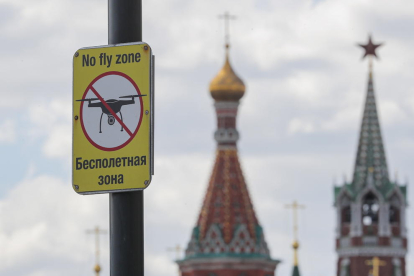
(107, 60)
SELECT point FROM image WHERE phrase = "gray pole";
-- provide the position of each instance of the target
(126, 210)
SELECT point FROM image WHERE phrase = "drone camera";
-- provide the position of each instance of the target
(111, 120)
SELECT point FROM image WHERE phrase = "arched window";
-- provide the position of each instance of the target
(394, 214)
(370, 210)
(394, 211)
(346, 214)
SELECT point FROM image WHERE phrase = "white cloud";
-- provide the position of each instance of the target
(345, 119)
(299, 125)
(392, 112)
(52, 120)
(161, 265)
(43, 225)
(8, 131)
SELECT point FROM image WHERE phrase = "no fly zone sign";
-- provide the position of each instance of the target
(112, 118)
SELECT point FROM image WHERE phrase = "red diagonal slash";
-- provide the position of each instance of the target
(110, 110)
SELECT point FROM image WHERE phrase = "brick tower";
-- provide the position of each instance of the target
(227, 239)
(371, 235)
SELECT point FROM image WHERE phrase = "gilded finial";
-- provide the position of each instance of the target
(97, 232)
(227, 17)
(295, 246)
(295, 207)
(97, 269)
(226, 85)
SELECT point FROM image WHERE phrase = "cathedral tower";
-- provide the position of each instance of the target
(227, 239)
(371, 235)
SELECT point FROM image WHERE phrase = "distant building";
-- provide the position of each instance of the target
(227, 239)
(371, 234)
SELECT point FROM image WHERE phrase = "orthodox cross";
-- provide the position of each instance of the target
(295, 207)
(376, 263)
(370, 49)
(97, 232)
(226, 16)
(177, 249)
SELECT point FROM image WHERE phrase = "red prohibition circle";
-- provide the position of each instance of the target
(140, 117)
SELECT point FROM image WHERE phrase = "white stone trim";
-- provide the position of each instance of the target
(342, 200)
(356, 219)
(372, 189)
(397, 267)
(344, 266)
(402, 207)
(213, 245)
(226, 147)
(224, 105)
(238, 243)
(372, 251)
(384, 228)
(338, 221)
(403, 228)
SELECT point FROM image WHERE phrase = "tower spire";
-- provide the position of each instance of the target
(295, 207)
(371, 163)
(370, 210)
(227, 238)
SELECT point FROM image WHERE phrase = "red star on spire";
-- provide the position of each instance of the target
(370, 48)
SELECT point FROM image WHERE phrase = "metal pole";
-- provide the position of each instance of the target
(126, 210)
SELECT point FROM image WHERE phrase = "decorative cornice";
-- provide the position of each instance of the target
(213, 244)
(237, 263)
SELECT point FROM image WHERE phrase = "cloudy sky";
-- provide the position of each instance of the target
(299, 121)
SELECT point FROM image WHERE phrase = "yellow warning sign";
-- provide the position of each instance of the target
(112, 118)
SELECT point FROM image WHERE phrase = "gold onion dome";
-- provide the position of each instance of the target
(227, 86)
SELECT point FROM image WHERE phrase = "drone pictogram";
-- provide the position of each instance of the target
(114, 105)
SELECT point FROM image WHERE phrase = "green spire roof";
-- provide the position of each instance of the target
(296, 271)
(371, 164)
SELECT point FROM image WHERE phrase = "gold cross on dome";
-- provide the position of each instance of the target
(295, 207)
(227, 17)
(177, 249)
(376, 263)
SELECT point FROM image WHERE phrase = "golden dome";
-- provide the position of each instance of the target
(97, 268)
(227, 86)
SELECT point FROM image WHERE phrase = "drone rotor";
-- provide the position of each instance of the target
(131, 96)
(89, 99)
